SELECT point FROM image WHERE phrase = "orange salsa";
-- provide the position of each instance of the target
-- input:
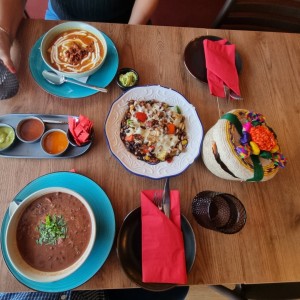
(55, 142)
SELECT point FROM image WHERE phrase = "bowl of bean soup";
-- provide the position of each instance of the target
(50, 234)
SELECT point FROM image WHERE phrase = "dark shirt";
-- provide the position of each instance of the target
(69, 295)
(111, 11)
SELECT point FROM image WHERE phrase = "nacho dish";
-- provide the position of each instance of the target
(153, 131)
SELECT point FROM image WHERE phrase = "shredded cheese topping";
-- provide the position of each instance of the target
(153, 131)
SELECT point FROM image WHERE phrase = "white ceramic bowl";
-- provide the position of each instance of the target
(45, 137)
(13, 253)
(19, 129)
(53, 32)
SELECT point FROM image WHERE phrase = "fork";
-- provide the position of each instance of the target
(229, 94)
(157, 200)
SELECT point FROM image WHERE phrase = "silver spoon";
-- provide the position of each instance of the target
(56, 79)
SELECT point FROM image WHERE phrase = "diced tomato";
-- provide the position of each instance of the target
(145, 149)
(169, 159)
(141, 116)
(151, 148)
(129, 138)
(171, 128)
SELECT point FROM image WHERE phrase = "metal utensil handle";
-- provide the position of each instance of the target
(166, 198)
(231, 94)
(54, 121)
(87, 85)
(235, 96)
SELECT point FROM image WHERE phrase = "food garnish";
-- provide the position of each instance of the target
(128, 79)
(52, 230)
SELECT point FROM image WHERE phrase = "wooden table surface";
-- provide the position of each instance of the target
(268, 248)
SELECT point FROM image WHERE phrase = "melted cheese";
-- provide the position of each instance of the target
(153, 130)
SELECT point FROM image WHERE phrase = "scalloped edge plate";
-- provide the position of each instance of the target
(163, 169)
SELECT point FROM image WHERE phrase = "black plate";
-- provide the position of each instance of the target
(194, 58)
(129, 249)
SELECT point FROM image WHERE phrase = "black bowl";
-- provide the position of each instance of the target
(72, 141)
(124, 71)
(129, 248)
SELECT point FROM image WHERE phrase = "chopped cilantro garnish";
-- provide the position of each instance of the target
(178, 109)
(129, 123)
(51, 230)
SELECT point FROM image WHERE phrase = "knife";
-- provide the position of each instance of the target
(166, 198)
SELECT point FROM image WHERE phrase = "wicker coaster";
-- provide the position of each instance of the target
(221, 212)
(9, 84)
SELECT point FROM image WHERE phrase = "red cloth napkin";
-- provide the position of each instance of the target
(163, 256)
(80, 129)
(221, 68)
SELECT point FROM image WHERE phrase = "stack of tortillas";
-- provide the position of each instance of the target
(241, 146)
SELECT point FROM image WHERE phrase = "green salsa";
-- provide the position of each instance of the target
(128, 79)
(7, 136)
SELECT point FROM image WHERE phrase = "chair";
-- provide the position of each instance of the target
(260, 15)
(272, 291)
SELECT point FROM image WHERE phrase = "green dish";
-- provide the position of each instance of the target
(7, 136)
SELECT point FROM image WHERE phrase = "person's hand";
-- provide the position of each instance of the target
(5, 45)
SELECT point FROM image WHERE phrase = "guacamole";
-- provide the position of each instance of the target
(7, 136)
(128, 79)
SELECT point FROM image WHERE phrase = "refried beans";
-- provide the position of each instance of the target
(65, 252)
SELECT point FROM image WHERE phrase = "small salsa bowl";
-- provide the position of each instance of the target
(54, 142)
(11, 237)
(7, 136)
(62, 28)
(30, 129)
(72, 140)
(130, 80)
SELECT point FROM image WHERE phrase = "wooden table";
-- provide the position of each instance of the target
(268, 248)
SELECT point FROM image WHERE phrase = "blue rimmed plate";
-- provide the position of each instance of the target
(105, 221)
(101, 78)
(164, 169)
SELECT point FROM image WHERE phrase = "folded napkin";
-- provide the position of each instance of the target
(221, 68)
(80, 129)
(163, 256)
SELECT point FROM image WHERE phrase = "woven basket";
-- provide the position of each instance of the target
(221, 157)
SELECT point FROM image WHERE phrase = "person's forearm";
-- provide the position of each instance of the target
(142, 11)
(11, 14)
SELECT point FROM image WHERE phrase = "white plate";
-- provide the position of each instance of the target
(164, 169)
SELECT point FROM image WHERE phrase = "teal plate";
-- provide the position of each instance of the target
(102, 78)
(105, 220)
